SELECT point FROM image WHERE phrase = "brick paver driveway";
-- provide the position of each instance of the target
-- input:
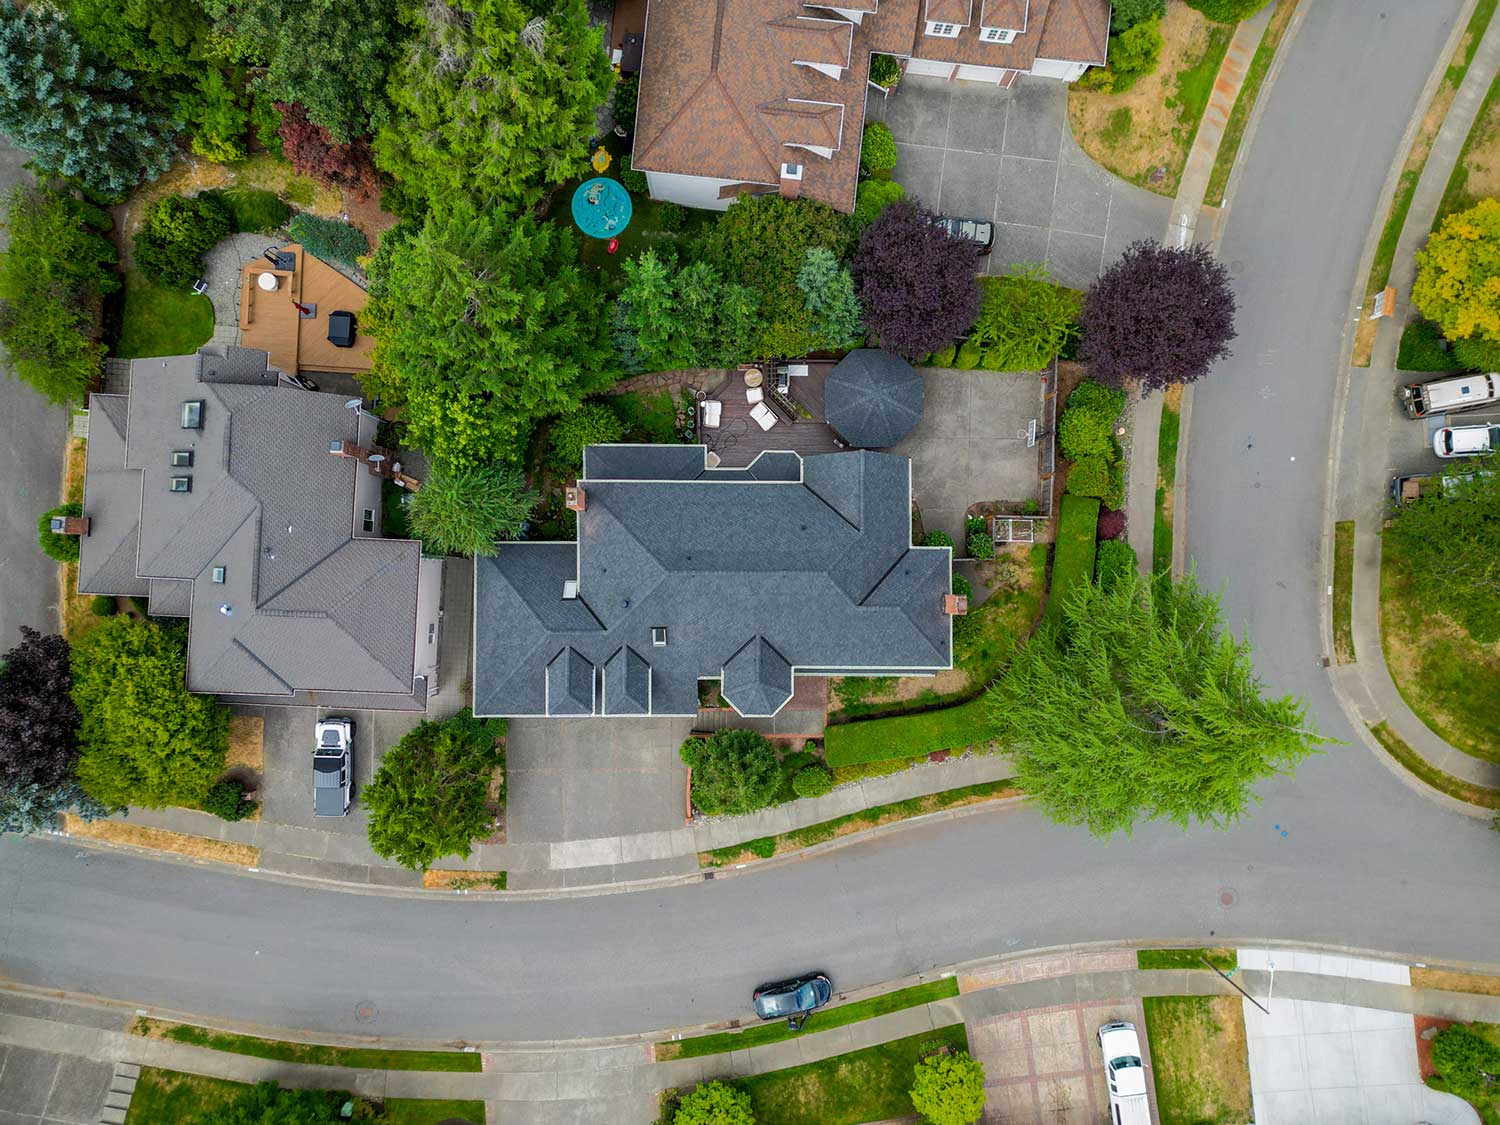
(975, 151)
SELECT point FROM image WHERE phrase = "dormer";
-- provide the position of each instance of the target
(946, 18)
(852, 10)
(817, 127)
(820, 44)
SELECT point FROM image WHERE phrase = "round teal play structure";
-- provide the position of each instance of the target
(601, 207)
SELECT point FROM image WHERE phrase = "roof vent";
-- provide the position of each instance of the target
(570, 589)
(576, 498)
(227, 610)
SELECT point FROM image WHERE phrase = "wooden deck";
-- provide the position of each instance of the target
(799, 427)
(269, 319)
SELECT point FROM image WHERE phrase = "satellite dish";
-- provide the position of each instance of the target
(376, 458)
(354, 404)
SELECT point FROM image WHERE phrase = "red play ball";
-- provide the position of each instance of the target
(614, 244)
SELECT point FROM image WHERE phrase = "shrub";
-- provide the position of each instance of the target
(961, 586)
(877, 155)
(937, 539)
(593, 423)
(1228, 11)
(1463, 1057)
(873, 197)
(945, 357)
(949, 1089)
(103, 605)
(313, 152)
(265, 123)
(178, 229)
(1111, 524)
(329, 239)
(1024, 319)
(714, 1103)
(762, 848)
(1133, 54)
(635, 182)
(672, 216)
(974, 524)
(968, 356)
(734, 772)
(467, 511)
(812, 781)
(63, 548)
(255, 209)
(1113, 560)
(1477, 354)
(981, 546)
(1087, 425)
(226, 800)
(1457, 272)
(907, 736)
(885, 70)
(1100, 477)
(1424, 349)
(1128, 13)
(623, 100)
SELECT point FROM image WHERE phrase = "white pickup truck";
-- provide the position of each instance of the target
(1125, 1074)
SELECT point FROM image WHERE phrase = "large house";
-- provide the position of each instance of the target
(683, 571)
(251, 507)
(769, 95)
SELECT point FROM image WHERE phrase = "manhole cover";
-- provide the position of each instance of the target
(1228, 897)
(1237, 266)
(365, 1012)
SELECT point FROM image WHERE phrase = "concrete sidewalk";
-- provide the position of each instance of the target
(1372, 427)
(1182, 230)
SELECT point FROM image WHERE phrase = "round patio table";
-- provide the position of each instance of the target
(753, 377)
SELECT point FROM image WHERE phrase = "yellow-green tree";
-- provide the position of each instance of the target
(1458, 274)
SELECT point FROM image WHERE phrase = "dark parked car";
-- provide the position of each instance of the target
(333, 765)
(341, 329)
(981, 232)
(793, 1000)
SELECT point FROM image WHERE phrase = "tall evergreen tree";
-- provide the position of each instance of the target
(71, 109)
(494, 101)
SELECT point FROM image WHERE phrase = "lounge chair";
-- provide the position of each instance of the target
(763, 415)
(713, 409)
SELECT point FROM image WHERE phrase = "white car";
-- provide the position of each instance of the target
(333, 766)
(1125, 1074)
(1466, 441)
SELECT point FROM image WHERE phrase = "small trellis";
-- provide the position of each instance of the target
(1014, 529)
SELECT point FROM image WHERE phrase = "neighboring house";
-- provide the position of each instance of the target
(683, 572)
(242, 504)
(769, 95)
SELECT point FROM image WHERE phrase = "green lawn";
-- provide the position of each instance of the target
(160, 321)
(1244, 104)
(419, 1111)
(1195, 85)
(1199, 1060)
(869, 1085)
(1396, 746)
(1343, 591)
(1450, 680)
(647, 416)
(365, 1058)
(1166, 478)
(166, 1097)
(825, 1019)
(1483, 138)
(1073, 554)
(1218, 956)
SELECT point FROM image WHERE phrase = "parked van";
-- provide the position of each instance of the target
(1446, 396)
(1125, 1075)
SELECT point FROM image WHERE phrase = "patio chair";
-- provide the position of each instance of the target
(763, 416)
(754, 395)
(713, 411)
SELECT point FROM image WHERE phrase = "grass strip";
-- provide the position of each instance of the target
(873, 1084)
(1073, 554)
(1200, 1062)
(1455, 195)
(874, 817)
(433, 1111)
(1218, 956)
(1477, 984)
(315, 1054)
(1244, 104)
(1396, 746)
(1167, 439)
(1343, 591)
(824, 1019)
(441, 880)
(161, 840)
(906, 736)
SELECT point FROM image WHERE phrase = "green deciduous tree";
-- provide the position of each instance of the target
(71, 108)
(761, 242)
(430, 796)
(331, 56)
(144, 738)
(949, 1089)
(1024, 319)
(1449, 539)
(216, 114)
(178, 229)
(1141, 707)
(485, 324)
(669, 318)
(495, 101)
(467, 511)
(52, 276)
(736, 771)
(1128, 13)
(1458, 274)
(714, 1103)
(1228, 11)
(593, 423)
(1133, 53)
(153, 38)
(828, 288)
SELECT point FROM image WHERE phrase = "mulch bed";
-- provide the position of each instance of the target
(1424, 1042)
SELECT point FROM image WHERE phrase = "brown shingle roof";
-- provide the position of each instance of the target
(1007, 14)
(951, 11)
(1076, 31)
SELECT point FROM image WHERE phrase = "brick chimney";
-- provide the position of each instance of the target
(69, 525)
(791, 181)
(349, 449)
(955, 605)
(576, 498)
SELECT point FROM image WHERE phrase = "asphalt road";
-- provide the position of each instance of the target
(31, 453)
(1345, 853)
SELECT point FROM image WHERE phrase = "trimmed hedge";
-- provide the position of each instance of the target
(906, 736)
(1422, 349)
(1073, 555)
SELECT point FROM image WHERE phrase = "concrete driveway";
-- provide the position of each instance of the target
(42, 1088)
(975, 151)
(971, 444)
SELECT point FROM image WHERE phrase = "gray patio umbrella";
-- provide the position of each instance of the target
(873, 398)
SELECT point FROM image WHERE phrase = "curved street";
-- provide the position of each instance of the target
(1344, 853)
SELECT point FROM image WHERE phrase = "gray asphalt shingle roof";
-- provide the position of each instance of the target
(750, 579)
(303, 604)
(873, 398)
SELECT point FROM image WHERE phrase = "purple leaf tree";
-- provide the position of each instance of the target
(1160, 315)
(917, 283)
